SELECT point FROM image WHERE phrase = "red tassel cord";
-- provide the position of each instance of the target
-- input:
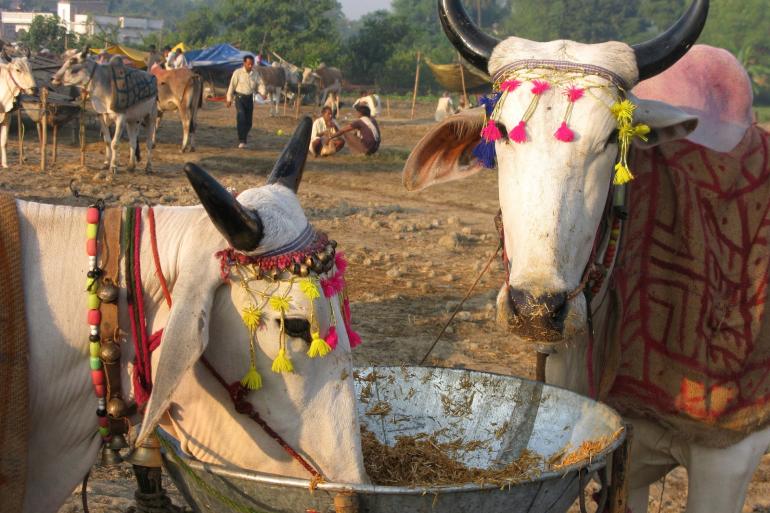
(565, 133)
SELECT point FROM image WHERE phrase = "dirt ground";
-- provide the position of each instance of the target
(413, 255)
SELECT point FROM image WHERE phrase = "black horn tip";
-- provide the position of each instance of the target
(290, 165)
(241, 227)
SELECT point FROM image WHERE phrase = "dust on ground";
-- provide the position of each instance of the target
(413, 255)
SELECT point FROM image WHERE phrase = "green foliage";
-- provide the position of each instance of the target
(46, 32)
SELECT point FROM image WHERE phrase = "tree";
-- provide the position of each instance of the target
(47, 32)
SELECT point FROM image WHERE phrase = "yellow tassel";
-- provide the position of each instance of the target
(282, 363)
(310, 289)
(252, 380)
(318, 347)
(623, 111)
(251, 316)
(622, 174)
(280, 304)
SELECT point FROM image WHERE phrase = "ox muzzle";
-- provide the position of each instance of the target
(534, 317)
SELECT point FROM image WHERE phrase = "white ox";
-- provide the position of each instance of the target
(553, 197)
(313, 409)
(327, 80)
(275, 81)
(95, 79)
(15, 78)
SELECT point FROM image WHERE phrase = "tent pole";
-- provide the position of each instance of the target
(416, 84)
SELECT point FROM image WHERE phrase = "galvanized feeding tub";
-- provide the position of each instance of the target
(502, 415)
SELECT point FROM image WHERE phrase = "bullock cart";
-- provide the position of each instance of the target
(493, 421)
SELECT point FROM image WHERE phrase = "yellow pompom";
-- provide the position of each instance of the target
(624, 111)
(282, 363)
(280, 304)
(252, 380)
(309, 288)
(251, 316)
(318, 347)
(641, 131)
(622, 174)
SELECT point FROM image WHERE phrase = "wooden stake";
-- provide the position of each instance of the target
(299, 99)
(462, 80)
(83, 130)
(43, 127)
(619, 476)
(20, 132)
(540, 368)
(416, 84)
(387, 104)
(55, 143)
(285, 97)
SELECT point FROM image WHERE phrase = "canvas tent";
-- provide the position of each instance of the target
(448, 75)
(137, 58)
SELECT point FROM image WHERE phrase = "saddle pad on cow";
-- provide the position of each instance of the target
(130, 86)
(14, 354)
(691, 286)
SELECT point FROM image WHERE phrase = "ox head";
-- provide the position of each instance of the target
(16, 62)
(74, 70)
(210, 313)
(554, 133)
(309, 76)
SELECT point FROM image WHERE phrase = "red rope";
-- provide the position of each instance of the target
(236, 391)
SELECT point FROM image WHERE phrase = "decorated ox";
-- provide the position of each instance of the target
(15, 78)
(125, 96)
(179, 90)
(254, 303)
(650, 295)
(327, 80)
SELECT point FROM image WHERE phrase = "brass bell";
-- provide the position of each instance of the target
(116, 408)
(309, 261)
(108, 291)
(110, 457)
(303, 270)
(147, 454)
(118, 442)
(110, 352)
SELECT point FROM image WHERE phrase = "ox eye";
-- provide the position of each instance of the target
(613, 138)
(73, 61)
(297, 328)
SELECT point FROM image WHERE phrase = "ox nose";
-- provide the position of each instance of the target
(538, 317)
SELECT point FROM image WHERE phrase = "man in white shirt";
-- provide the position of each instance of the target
(320, 136)
(180, 61)
(243, 85)
(445, 108)
(372, 101)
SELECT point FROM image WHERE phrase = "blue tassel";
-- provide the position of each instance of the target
(490, 102)
(485, 153)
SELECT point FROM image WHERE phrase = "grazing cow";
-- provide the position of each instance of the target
(327, 80)
(651, 296)
(276, 80)
(312, 408)
(125, 96)
(15, 78)
(180, 90)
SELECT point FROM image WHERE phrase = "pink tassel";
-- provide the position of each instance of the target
(331, 338)
(564, 133)
(540, 86)
(354, 338)
(346, 309)
(510, 86)
(340, 262)
(519, 134)
(328, 287)
(491, 132)
(574, 93)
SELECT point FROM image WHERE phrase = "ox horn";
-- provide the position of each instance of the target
(473, 44)
(241, 227)
(288, 170)
(657, 55)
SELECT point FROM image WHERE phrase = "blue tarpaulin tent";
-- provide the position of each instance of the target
(216, 63)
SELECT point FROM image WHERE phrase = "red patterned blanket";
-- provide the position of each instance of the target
(691, 292)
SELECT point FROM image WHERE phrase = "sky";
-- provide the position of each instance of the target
(354, 9)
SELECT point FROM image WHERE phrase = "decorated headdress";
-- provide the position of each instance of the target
(544, 75)
(310, 262)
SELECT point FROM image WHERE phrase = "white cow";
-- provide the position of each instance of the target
(553, 193)
(15, 78)
(79, 70)
(313, 409)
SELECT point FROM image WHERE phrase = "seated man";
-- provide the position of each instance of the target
(321, 141)
(372, 101)
(365, 138)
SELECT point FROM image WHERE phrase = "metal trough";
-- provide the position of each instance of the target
(507, 414)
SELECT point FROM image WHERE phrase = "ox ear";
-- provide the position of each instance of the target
(667, 123)
(444, 153)
(186, 335)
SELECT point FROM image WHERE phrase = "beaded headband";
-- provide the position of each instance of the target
(540, 73)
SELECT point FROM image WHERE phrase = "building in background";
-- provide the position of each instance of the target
(89, 17)
(13, 22)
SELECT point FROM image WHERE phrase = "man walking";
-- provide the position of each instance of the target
(243, 85)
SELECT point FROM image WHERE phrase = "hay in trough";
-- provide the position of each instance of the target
(422, 460)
